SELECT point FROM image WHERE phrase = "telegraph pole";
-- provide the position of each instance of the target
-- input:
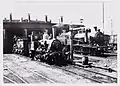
(103, 19)
(103, 14)
(111, 23)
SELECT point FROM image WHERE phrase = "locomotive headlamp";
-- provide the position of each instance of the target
(88, 30)
(98, 48)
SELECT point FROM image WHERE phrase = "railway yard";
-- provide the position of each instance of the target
(21, 69)
(46, 52)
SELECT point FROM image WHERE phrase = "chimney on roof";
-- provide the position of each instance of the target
(28, 17)
(61, 19)
(50, 21)
(10, 17)
(21, 19)
(81, 20)
(46, 18)
(5, 18)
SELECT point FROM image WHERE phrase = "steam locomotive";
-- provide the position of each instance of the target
(57, 50)
(94, 45)
(52, 51)
(85, 43)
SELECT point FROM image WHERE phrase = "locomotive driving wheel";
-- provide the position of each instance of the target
(57, 58)
(51, 58)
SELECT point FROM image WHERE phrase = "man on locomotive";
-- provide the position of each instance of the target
(63, 32)
(63, 36)
(45, 38)
(45, 35)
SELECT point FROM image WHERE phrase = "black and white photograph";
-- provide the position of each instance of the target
(60, 42)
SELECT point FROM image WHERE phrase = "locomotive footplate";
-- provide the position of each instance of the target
(89, 49)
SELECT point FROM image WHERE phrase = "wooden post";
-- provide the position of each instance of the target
(86, 36)
(46, 18)
(71, 44)
(53, 31)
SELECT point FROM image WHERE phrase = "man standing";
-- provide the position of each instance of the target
(45, 35)
(14, 43)
(33, 46)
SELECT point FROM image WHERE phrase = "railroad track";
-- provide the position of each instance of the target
(87, 74)
(43, 76)
(36, 73)
(77, 66)
(102, 78)
(91, 75)
(16, 79)
(8, 80)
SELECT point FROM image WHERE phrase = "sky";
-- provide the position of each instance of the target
(91, 12)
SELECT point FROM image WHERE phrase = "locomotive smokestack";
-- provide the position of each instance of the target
(10, 17)
(54, 32)
(46, 18)
(28, 17)
(95, 28)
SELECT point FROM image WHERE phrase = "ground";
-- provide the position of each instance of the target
(21, 69)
